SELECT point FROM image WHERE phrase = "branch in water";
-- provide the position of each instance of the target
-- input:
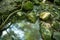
(1, 26)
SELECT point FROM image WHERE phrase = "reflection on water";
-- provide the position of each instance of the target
(28, 31)
(17, 31)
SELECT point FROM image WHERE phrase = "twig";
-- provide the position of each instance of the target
(2, 29)
(1, 26)
(2, 19)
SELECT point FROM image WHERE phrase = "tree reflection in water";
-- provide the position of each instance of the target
(22, 31)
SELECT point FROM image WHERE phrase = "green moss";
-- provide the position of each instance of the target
(32, 17)
(55, 24)
(27, 6)
(46, 32)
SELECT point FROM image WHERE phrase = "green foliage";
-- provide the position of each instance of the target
(32, 17)
(36, 1)
(57, 2)
(18, 0)
(55, 24)
(21, 15)
(27, 6)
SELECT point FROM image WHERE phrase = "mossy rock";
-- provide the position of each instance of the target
(55, 24)
(21, 15)
(27, 6)
(32, 17)
(46, 32)
(45, 15)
